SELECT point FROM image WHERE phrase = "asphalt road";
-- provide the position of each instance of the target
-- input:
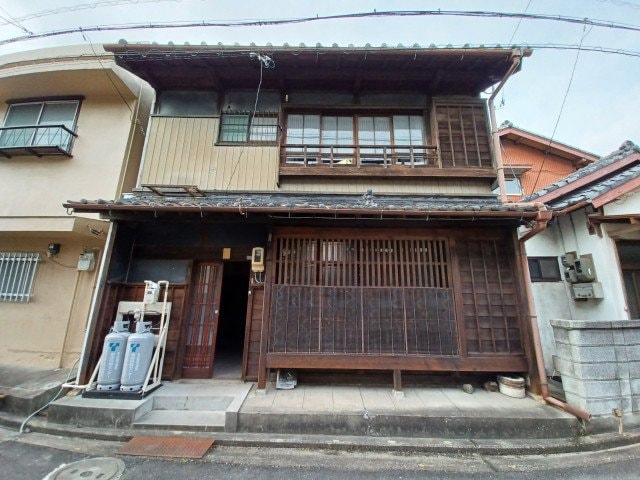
(33, 456)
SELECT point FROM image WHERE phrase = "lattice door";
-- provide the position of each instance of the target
(202, 323)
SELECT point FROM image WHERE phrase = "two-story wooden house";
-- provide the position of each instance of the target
(366, 175)
(73, 126)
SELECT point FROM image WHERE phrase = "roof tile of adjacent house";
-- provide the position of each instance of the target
(592, 181)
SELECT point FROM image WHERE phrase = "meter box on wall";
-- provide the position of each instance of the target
(586, 290)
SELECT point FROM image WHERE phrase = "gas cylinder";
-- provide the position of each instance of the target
(137, 358)
(113, 352)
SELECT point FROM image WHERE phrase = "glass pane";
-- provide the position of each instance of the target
(302, 130)
(23, 115)
(20, 115)
(407, 130)
(549, 268)
(264, 129)
(374, 131)
(337, 131)
(188, 103)
(59, 113)
(234, 128)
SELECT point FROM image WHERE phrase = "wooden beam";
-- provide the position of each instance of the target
(392, 171)
(505, 363)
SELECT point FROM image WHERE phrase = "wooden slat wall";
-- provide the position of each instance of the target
(255, 312)
(118, 292)
(334, 295)
(463, 134)
(491, 310)
(182, 151)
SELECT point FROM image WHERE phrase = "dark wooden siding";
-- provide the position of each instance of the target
(421, 300)
(490, 298)
(463, 134)
(255, 312)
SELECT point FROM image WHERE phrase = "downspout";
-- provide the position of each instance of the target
(93, 311)
(497, 150)
(542, 221)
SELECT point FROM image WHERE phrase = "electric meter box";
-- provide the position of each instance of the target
(86, 261)
(586, 290)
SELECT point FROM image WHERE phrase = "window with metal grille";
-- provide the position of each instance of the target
(249, 127)
(17, 273)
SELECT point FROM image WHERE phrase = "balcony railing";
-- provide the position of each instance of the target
(341, 156)
(37, 140)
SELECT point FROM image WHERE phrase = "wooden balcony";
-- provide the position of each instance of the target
(36, 140)
(370, 161)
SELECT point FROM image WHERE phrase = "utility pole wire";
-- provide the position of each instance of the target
(374, 14)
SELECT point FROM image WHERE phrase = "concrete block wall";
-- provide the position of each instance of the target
(599, 362)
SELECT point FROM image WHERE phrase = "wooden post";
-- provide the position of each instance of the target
(397, 381)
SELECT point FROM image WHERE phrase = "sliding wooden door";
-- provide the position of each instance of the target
(202, 323)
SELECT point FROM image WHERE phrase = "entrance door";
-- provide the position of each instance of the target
(202, 323)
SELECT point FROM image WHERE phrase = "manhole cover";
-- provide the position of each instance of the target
(90, 469)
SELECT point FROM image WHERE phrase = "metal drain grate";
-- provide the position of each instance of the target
(102, 468)
(169, 447)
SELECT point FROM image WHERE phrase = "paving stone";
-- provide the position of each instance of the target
(347, 399)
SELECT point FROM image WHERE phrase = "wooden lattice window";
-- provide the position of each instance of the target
(339, 295)
(463, 135)
(490, 297)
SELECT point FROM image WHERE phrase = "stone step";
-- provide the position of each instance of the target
(195, 420)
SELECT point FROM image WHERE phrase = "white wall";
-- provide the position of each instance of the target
(553, 299)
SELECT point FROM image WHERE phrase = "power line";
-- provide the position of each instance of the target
(564, 99)
(519, 22)
(82, 6)
(12, 21)
(374, 14)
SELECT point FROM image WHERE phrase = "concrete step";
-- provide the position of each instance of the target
(199, 403)
(195, 420)
(452, 426)
(95, 412)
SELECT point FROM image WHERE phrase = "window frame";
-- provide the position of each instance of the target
(11, 271)
(67, 146)
(249, 128)
(542, 278)
(355, 115)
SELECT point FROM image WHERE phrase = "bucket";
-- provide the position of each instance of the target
(511, 386)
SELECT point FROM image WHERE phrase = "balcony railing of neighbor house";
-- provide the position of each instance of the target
(37, 140)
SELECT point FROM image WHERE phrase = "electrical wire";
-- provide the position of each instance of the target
(318, 18)
(106, 72)
(82, 6)
(566, 94)
(265, 62)
(50, 401)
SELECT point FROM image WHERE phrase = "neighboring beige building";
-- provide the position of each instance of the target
(73, 127)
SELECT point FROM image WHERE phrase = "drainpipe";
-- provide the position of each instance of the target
(93, 311)
(497, 151)
(542, 221)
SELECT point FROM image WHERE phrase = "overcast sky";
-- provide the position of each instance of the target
(601, 108)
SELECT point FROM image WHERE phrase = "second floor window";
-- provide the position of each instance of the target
(247, 127)
(355, 139)
(40, 124)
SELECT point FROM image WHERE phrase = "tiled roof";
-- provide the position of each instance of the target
(367, 204)
(596, 188)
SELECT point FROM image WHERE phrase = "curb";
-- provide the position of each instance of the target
(590, 443)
